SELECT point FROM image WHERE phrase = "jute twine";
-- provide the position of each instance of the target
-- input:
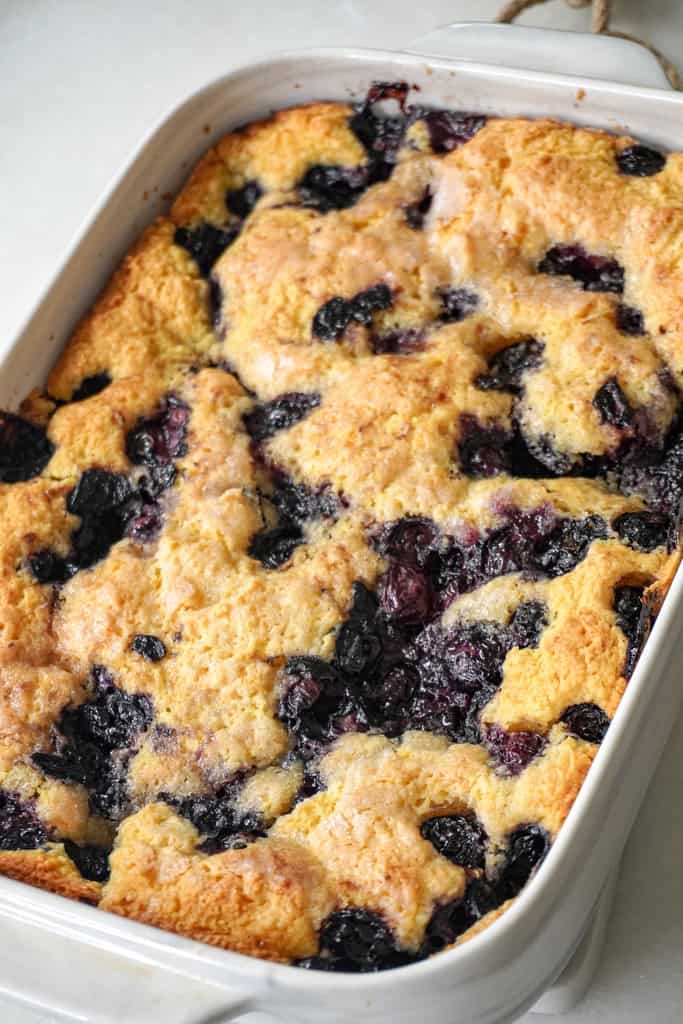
(601, 12)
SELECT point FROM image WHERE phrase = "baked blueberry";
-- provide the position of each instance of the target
(241, 201)
(151, 648)
(357, 940)
(640, 161)
(459, 670)
(456, 304)
(20, 826)
(90, 386)
(635, 618)
(656, 474)
(544, 455)
(450, 920)
(595, 273)
(481, 448)
(449, 129)
(365, 304)
(95, 741)
(215, 303)
(417, 211)
(389, 698)
(98, 492)
(276, 546)
(630, 320)
(205, 243)
(46, 566)
(91, 861)
(399, 342)
(405, 595)
(457, 837)
(318, 704)
(295, 504)
(411, 540)
(24, 449)
(527, 847)
(280, 413)
(334, 316)
(527, 623)
(507, 367)
(568, 544)
(161, 438)
(612, 404)
(300, 503)
(217, 818)
(513, 751)
(332, 319)
(644, 531)
(587, 721)
(328, 187)
(380, 134)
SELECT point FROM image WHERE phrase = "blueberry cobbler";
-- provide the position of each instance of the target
(333, 540)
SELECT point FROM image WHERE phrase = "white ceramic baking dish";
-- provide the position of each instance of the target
(501, 973)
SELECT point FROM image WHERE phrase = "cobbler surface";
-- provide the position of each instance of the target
(336, 534)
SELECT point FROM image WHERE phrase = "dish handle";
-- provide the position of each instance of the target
(543, 49)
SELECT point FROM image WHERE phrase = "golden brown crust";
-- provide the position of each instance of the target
(266, 900)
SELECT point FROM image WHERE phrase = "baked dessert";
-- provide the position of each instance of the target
(335, 536)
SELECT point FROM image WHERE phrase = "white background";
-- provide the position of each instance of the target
(80, 82)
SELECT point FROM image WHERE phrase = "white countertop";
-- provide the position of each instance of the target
(81, 82)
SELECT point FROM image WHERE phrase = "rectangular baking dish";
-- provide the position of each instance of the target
(498, 975)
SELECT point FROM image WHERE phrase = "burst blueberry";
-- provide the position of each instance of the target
(527, 847)
(91, 861)
(162, 437)
(24, 449)
(205, 243)
(357, 940)
(417, 211)
(404, 595)
(95, 741)
(456, 304)
(513, 751)
(449, 129)
(411, 540)
(451, 920)
(241, 201)
(317, 705)
(527, 623)
(612, 404)
(481, 447)
(265, 420)
(568, 544)
(91, 386)
(595, 273)
(635, 618)
(507, 367)
(20, 826)
(217, 817)
(328, 187)
(643, 531)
